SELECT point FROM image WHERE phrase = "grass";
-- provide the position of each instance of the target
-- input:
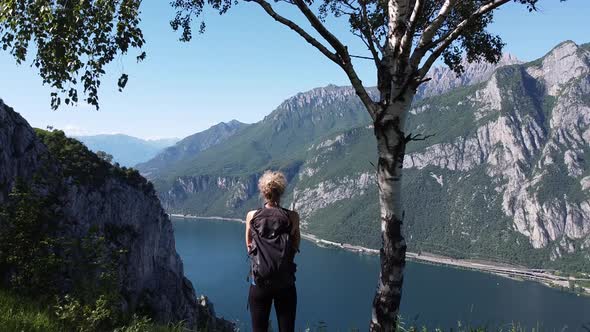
(18, 313)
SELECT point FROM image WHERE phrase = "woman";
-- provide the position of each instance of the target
(272, 239)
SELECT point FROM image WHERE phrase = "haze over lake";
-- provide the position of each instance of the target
(335, 287)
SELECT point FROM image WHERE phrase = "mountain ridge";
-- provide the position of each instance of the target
(303, 104)
(190, 145)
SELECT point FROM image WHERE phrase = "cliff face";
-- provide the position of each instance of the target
(152, 272)
(21, 153)
(539, 136)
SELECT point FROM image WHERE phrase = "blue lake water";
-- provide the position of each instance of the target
(335, 287)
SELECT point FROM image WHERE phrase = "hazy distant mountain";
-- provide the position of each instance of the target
(126, 150)
(506, 176)
(190, 147)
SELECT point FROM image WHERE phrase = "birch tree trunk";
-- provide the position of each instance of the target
(391, 143)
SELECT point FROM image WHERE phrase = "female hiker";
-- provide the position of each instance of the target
(272, 239)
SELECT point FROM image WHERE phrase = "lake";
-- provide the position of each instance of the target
(335, 287)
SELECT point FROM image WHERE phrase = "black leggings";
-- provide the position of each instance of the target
(260, 299)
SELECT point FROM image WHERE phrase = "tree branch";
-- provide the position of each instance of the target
(342, 53)
(428, 34)
(397, 11)
(369, 33)
(406, 43)
(300, 31)
(455, 33)
(320, 28)
(417, 137)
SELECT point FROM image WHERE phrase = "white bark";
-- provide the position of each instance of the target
(391, 142)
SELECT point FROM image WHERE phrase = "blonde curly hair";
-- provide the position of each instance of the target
(272, 185)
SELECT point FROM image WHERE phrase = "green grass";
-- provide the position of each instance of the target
(22, 314)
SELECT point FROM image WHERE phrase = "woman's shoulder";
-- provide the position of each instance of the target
(250, 215)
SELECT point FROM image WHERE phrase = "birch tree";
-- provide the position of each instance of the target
(404, 38)
(75, 39)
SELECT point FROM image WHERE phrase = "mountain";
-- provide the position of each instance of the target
(504, 178)
(444, 79)
(126, 150)
(97, 222)
(306, 116)
(190, 146)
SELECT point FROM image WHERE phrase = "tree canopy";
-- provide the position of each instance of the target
(72, 41)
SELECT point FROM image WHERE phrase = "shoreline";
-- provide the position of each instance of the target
(506, 271)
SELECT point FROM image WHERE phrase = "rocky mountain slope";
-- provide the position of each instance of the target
(504, 177)
(91, 195)
(189, 147)
(443, 79)
(126, 150)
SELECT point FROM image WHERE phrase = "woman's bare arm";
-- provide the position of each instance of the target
(248, 235)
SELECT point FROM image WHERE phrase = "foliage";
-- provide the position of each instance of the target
(27, 314)
(89, 317)
(104, 156)
(29, 248)
(371, 21)
(76, 276)
(86, 167)
(73, 41)
(37, 257)
(22, 313)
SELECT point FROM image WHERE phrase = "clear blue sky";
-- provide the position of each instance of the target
(241, 68)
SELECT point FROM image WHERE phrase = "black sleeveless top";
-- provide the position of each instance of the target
(271, 232)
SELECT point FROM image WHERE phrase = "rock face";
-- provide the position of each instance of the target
(505, 177)
(527, 145)
(21, 153)
(152, 274)
(443, 79)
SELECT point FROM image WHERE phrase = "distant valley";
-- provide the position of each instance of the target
(126, 150)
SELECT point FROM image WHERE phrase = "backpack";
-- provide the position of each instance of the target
(271, 254)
